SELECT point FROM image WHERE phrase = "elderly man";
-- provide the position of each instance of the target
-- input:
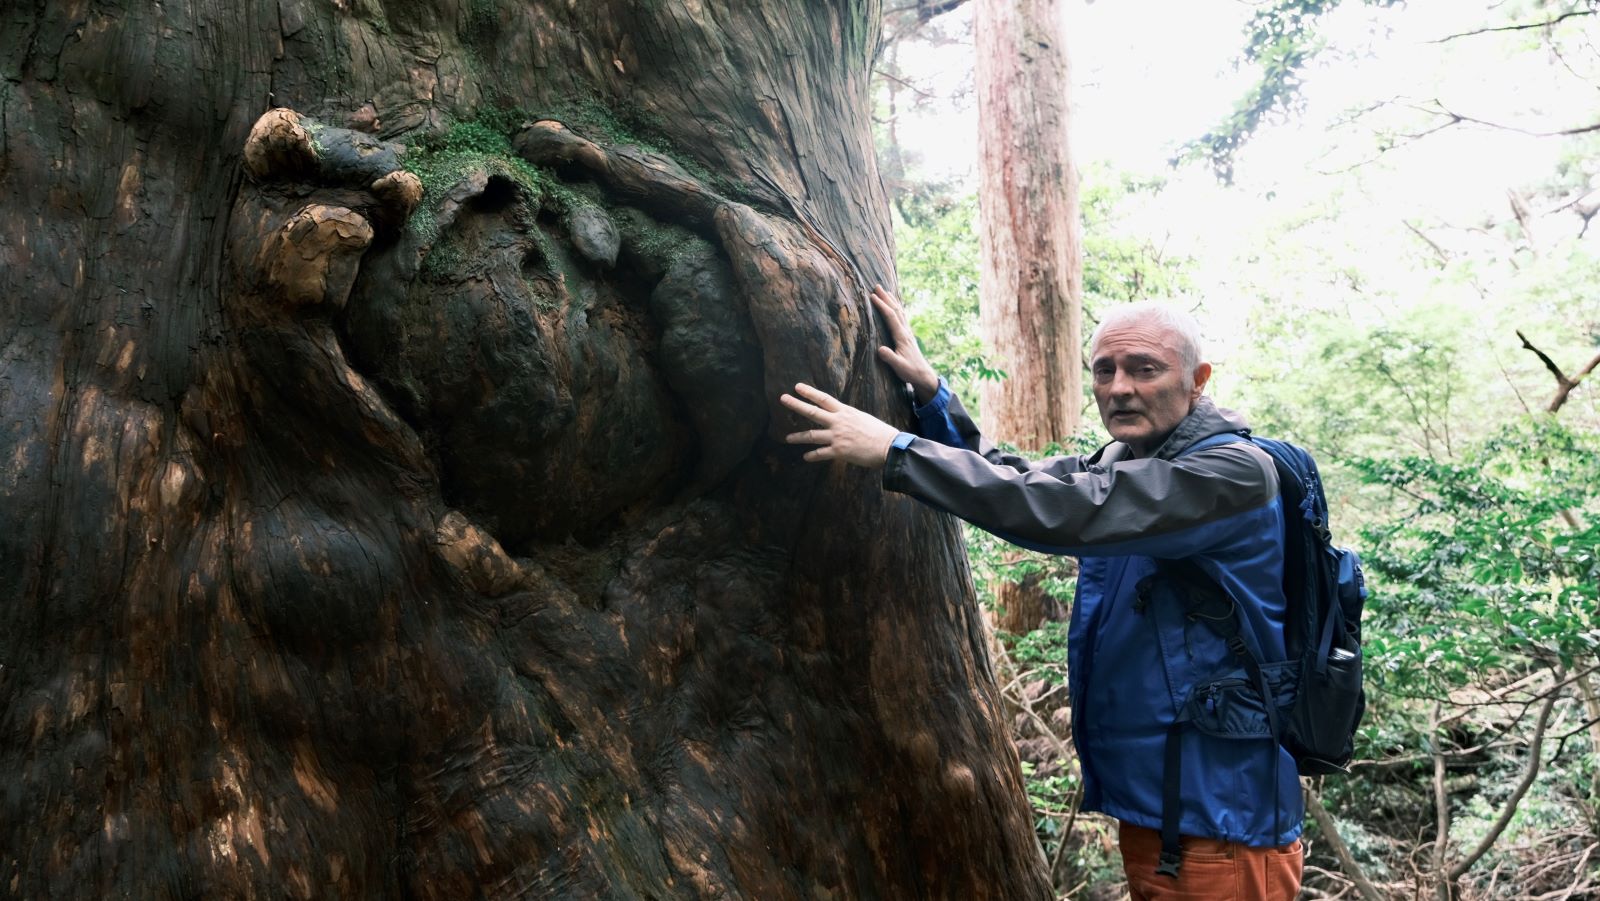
(1156, 694)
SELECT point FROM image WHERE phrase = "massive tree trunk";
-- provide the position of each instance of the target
(416, 524)
(1030, 293)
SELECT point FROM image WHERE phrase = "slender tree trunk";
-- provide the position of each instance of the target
(1031, 283)
(391, 507)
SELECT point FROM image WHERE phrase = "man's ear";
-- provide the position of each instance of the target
(1202, 375)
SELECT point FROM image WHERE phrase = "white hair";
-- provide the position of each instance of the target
(1179, 323)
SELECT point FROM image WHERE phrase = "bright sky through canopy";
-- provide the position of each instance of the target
(1150, 75)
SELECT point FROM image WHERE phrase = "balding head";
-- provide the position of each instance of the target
(1148, 375)
(1183, 329)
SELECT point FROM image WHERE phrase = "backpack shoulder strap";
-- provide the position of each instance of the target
(1216, 440)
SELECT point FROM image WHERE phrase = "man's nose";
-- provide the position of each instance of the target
(1121, 385)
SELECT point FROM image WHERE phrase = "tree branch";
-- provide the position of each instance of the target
(1535, 755)
(1441, 806)
(926, 10)
(1444, 258)
(1026, 705)
(1564, 385)
(1347, 861)
(1455, 118)
(1531, 25)
(882, 73)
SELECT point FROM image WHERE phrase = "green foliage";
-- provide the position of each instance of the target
(938, 262)
(1382, 388)
(1121, 264)
(1491, 563)
(1043, 651)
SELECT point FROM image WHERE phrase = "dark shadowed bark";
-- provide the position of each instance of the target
(390, 495)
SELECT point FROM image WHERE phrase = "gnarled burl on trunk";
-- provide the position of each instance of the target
(392, 502)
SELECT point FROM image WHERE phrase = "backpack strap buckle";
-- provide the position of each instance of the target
(1168, 865)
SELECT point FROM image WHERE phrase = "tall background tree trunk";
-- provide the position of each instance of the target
(393, 501)
(1031, 277)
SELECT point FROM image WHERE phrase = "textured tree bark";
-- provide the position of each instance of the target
(411, 521)
(1031, 276)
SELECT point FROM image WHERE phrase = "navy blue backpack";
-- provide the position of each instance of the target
(1322, 629)
(1325, 592)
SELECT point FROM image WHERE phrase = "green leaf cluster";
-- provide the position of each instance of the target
(1491, 562)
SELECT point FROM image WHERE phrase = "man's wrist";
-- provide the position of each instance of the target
(925, 388)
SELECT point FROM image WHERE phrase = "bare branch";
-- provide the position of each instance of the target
(1585, 726)
(1441, 807)
(903, 83)
(1564, 385)
(1444, 258)
(1455, 118)
(1526, 27)
(1347, 861)
(1535, 756)
(926, 10)
(1026, 705)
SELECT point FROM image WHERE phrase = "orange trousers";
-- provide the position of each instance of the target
(1212, 870)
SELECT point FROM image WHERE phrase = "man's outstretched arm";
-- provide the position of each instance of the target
(1160, 508)
(939, 413)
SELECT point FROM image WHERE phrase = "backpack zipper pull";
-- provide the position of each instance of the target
(1141, 599)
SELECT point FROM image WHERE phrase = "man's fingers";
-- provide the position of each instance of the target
(799, 406)
(895, 317)
(810, 436)
(896, 361)
(818, 455)
(820, 398)
(889, 308)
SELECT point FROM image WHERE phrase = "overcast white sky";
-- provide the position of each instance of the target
(1151, 74)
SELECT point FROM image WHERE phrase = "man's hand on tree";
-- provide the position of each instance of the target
(905, 357)
(845, 433)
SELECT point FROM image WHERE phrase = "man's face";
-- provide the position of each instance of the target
(1140, 384)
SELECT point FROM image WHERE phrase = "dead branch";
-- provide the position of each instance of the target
(1525, 27)
(1026, 705)
(1339, 879)
(1564, 385)
(1535, 756)
(1454, 118)
(1581, 882)
(881, 73)
(1441, 806)
(926, 11)
(1347, 861)
(1444, 258)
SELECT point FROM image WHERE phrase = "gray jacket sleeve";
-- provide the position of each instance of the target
(1150, 506)
(944, 419)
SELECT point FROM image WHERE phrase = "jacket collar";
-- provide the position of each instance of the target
(1205, 420)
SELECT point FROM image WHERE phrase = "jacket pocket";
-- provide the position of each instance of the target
(1230, 706)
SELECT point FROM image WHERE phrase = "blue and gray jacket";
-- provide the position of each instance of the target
(1137, 662)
